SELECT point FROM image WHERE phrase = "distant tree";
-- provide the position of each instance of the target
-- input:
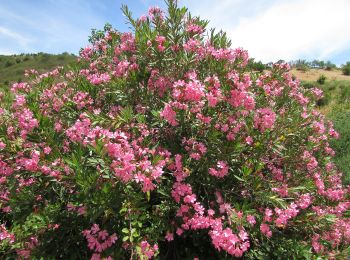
(302, 65)
(330, 66)
(257, 66)
(317, 64)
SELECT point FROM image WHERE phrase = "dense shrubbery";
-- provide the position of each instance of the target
(163, 143)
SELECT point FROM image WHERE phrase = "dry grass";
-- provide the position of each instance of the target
(314, 74)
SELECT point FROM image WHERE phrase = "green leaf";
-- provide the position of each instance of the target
(126, 114)
(238, 178)
(148, 193)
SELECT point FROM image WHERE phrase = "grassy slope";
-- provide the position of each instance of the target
(336, 106)
(314, 74)
(12, 66)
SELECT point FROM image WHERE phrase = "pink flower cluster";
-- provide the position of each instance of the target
(54, 97)
(193, 28)
(158, 83)
(192, 91)
(147, 250)
(5, 235)
(82, 99)
(196, 149)
(220, 171)
(22, 86)
(80, 209)
(97, 79)
(98, 240)
(131, 162)
(169, 115)
(160, 41)
(264, 119)
(195, 216)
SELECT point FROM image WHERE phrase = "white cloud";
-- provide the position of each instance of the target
(272, 30)
(5, 32)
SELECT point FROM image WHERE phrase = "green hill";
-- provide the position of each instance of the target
(12, 67)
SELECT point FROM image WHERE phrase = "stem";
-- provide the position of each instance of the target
(130, 234)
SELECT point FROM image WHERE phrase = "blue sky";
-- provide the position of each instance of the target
(269, 29)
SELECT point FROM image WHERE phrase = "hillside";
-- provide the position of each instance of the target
(314, 74)
(12, 67)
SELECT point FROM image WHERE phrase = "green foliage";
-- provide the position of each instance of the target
(256, 66)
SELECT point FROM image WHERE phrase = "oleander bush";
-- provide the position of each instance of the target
(161, 143)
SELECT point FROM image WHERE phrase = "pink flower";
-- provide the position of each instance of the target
(97, 79)
(179, 231)
(265, 229)
(82, 99)
(169, 115)
(98, 240)
(304, 201)
(249, 140)
(4, 234)
(169, 236)
(315, 243)
(194, 28)
(147, 250)
(221, 170)
(264, 119)
(160, 40)
(20, 101)
(193, 91)
(47, 150)
(251, 220)
(190, 199)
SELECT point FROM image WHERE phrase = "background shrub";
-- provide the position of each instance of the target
(322, 79)
(346, 69)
